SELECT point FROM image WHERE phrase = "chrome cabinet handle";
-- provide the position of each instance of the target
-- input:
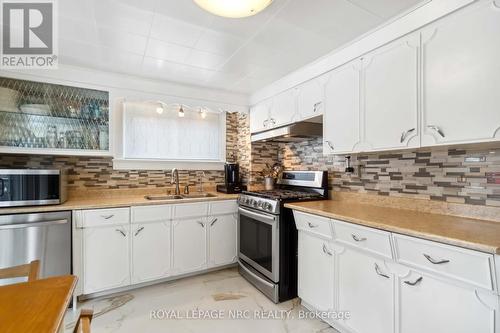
(201, 223)
(405, 134)
(316, 106)
(121, 232)
(379, 272)
(139, 231)
(107, 217)
(437, 129)
(312, 225)
(213, 222)
(264, 123)
(329, 143)
(357, 238)
(325, 250)
(273, 121)
(414, 283)
(434, 261)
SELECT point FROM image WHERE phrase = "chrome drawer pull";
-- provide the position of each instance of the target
(358, 239)
(434, 261)
(316, 106)
(417, 281)
(330, 145)
(107, 217)
(325, 250)
(201, 223)
(312, 225)
(139, 231)
(379, 272)
(121, 232)
(213, 222)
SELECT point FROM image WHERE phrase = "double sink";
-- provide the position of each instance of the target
(180, 197)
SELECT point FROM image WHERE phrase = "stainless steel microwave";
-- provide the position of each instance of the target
(30, 187)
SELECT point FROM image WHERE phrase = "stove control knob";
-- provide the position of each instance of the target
(251, 202)
(268, 206)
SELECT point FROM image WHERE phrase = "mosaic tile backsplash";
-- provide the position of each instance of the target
(451, 175)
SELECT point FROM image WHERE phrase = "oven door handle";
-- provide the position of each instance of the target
(32, 224)
(261, 217)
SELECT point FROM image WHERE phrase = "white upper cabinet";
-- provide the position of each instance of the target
(366, 289)
(461, 77)
(259, 116)
(310, 98)
(428, 304)
(283, 109)
(391, 95)
(150, 251)
(341, 118)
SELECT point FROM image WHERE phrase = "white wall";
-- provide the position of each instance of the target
(384, 34)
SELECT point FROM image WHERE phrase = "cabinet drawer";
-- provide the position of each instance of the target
(373, 240)
(462, 264)
(197, 209)
(314, 224)
(142, 214)
(105, 217)
(223, 207)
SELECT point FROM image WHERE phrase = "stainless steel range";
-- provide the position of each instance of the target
(267, 237)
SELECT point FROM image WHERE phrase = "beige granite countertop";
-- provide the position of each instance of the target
(475, 234)
(94, 199)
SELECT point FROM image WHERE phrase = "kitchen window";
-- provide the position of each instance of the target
(160, 136)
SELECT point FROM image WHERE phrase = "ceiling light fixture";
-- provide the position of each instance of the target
(159, 109)
(203, 113)
(234, 8)
(181, 112)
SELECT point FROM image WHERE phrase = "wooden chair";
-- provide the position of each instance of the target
(83, 323)
(31, 270)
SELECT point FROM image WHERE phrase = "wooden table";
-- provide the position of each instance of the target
(37, 306)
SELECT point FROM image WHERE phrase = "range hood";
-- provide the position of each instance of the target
(294, 132)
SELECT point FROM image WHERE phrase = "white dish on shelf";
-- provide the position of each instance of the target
(38, 109)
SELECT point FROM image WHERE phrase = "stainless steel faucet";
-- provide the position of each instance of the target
(175, 180)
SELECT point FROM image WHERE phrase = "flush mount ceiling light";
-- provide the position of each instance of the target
(181, 112)
(233, 8)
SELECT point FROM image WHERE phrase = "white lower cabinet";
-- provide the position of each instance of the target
(150, 251)
(315, 272)
(120, 247)
(105, 258)
(395, 292)
(222, 240)
(429, 304)
(189, 245)
(365, 289)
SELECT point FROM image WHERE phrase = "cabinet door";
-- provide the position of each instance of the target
(190, 245)
(428, 304)
(315, 272)
(310, 96)
(105, 258)
(366, 290)
(462, 76)
(150, 251)
(283, 108)
(391, 95)
(222, 239)
(341, 118)
(259, 116)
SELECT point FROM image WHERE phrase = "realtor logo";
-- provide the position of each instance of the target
(28, 34)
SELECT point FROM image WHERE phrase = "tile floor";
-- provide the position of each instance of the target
(222, 293)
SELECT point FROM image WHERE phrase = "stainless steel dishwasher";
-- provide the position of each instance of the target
(42, 236)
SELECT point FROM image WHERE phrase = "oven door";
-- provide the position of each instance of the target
(258, 239)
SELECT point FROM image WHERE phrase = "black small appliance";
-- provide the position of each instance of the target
(232, 182)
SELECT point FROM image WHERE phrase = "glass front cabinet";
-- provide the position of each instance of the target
(49, 118)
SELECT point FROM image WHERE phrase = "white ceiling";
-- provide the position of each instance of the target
(176, 40)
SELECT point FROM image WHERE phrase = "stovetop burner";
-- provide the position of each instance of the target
(280, 194)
